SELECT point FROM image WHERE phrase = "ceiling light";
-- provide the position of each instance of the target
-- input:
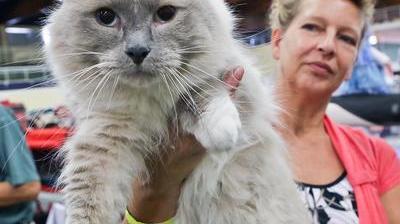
(18, 30)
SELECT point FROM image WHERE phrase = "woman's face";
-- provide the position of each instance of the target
(318, 49)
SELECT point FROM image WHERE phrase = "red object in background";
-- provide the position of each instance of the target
(49, 189)
(47, 138)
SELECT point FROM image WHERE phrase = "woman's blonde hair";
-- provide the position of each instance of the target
(284, 11)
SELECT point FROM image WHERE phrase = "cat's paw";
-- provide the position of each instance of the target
(218, 129)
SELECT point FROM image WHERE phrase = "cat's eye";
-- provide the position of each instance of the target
(106, 17)
(166, 13)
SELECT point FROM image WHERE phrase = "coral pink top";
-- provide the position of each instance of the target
(372, 168)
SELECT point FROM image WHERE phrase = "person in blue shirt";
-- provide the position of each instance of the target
(19, 180)
(368, 76)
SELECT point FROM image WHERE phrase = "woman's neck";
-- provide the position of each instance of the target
(302, 112)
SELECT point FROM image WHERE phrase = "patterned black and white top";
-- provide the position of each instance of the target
(333, 203)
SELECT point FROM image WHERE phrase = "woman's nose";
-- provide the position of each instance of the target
(327, 43)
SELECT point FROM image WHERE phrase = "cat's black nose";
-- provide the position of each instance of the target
(137, 54)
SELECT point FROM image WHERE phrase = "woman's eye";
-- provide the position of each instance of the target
(348, 39)
(166, 13)
(106, 17)
(310, 27)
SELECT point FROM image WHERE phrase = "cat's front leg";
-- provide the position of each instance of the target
(218, 126)
(96, 183)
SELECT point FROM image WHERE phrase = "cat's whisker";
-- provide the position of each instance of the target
(200, 79)
(189, 82)
(203, 72)
(214, 87)
(48, 82)
(165, 79)
(182, 84)
(184, 95)
(240, 38)
(74, 75)
(86, 72)
(95, 91)
(78, 74)
(192, 86)
(92, 78)
(108, 75)
(49, 157)
(113, 89)
(197, 85)
(196, 52)
(211, 76)
(199, 50)
(177, 89)
(89, 73)
(194, 47)
(37, 61)
(89, 76)
(78, 54)
(17, 145)
(42, 60)
(95, 75)
(85, 50)
(16, 120)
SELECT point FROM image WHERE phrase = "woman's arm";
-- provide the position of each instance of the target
(391, 202)
(10, 195)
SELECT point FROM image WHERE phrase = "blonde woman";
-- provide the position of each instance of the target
(343, 175)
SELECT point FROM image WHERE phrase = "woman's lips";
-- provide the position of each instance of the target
(321, 68)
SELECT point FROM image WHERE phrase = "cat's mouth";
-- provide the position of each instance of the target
(141, 74)
(137, 73)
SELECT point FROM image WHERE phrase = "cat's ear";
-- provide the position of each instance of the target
(276, 39)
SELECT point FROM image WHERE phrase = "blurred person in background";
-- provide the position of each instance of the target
(19, 180)
(370, 72)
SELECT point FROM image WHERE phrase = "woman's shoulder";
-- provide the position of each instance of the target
(369, 146)
(365, 154)
(343, 133)
(359, 134)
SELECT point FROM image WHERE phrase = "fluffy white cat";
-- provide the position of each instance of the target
(130, 68)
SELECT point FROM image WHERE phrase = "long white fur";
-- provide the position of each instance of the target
(243, 179)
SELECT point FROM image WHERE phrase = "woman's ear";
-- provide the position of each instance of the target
(276, 39)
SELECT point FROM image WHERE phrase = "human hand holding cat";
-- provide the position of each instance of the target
(219, 124)
(157, 200)
(233, 78)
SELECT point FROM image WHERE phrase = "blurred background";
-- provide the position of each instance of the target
(370, 101)
(20, 43)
